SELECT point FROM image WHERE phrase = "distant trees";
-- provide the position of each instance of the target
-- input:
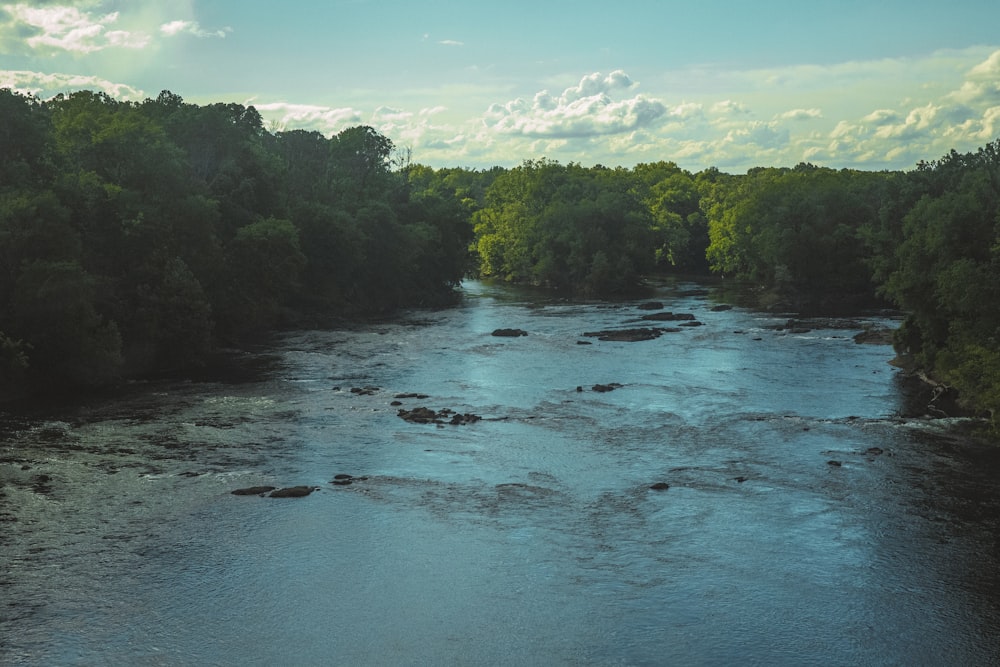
(798, 229)
(136, 237)
(592, 230)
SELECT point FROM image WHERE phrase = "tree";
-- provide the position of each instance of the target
(53, 312)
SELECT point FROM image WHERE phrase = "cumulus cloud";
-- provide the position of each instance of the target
(765, 135)
(988, 69)
(587, 109)
(801, 114)
(729, 108)
(687, 110)
(45, 86)
(180, 27)
(309, 117)
(81, 27)
(55, 28)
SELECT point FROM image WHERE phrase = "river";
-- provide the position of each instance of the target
(808, 519)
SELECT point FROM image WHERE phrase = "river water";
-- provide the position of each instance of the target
(808, 520)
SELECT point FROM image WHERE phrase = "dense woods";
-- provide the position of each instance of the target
(137, 237)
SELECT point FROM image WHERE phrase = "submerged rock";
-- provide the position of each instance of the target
(651, 305)
(603, 388)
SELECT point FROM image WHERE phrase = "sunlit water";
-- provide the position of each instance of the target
(531, 537)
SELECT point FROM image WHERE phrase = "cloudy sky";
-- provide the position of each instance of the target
(727, 83)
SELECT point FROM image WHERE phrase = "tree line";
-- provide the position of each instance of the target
(137, 236)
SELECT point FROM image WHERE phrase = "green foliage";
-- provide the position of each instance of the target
(673, 197)
(54, 310)
(795, 227)
(945, 273)
(25, 140)
(565, 227)
(973, 370)
(134, 237)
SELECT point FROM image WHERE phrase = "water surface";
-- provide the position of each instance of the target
(808, 519)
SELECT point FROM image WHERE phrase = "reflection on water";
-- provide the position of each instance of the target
(807, 521)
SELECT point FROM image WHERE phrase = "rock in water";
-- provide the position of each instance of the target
(293, 492)
(253, 491)
(509, 333)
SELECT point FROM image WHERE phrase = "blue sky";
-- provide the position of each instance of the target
(737, 84)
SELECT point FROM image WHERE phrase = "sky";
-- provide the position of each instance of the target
(873, 84)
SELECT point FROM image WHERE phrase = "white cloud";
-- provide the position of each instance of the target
(584, 110)
(451, 42)
(56, 28)
(801, 114)
(882, 117)
(327, 120)
(988, 69)
(179, 27)
(687, 110)
(765, 135)
(45, 86)
(729, 108)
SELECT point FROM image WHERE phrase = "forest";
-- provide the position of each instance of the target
(138, 237)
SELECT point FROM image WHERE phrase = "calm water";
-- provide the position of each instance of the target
(531, 537)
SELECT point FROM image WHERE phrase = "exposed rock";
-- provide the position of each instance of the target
(835, 464)
(509, 333)
(627, 335)
(604, 388)
(344, 479)
(420, 396)
(692, 323)
(364, 391)
(660, 486)
(460, 419)
(667, 316)
(651, 305)
(874, 336)
(424, 415)
(721, 307)
(293, 492)
(253, 491)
